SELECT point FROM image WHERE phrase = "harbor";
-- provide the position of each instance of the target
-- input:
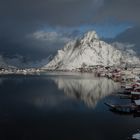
(129, 80)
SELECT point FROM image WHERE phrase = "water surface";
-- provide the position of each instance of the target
(61, 106)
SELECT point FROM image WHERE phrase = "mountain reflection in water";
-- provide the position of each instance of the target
(90, 90)
(60, 107)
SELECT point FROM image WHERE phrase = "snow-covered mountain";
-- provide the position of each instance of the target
(90, 51)
(4, 65)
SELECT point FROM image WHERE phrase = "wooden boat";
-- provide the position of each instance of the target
(134, 95)
(131, 96)
(121, 108)
(126, 92)
(130, 108)
(136, 91)
(131, 91)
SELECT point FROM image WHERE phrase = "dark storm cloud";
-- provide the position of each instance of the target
(122, 10)
(130, 36)
(54, 12)
(67, 12)
(20, 18)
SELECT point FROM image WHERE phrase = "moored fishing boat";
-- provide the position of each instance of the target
(136, 91)
(129, 108)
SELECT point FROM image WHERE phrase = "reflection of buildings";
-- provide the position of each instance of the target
(88, 90)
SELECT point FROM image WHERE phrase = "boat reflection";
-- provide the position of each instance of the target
(88, 90)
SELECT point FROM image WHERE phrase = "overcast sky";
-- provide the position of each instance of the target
(34, 29)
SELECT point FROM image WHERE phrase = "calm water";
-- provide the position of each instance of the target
(64, 107)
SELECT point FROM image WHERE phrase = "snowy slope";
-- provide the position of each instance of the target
(89, 51)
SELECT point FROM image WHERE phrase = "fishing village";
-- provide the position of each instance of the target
(129, 80)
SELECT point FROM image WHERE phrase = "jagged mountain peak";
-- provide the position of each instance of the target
(90, 51)
(90, 36)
